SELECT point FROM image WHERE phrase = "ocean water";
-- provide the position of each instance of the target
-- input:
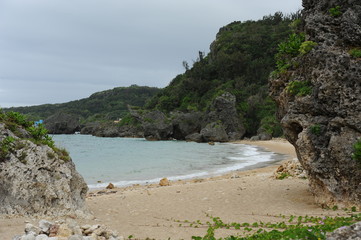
(127, 161)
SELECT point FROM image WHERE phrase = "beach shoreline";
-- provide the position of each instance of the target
(162, 212)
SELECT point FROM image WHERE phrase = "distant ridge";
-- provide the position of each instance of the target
(100, 106)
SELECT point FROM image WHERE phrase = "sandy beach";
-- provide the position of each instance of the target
(163, 212)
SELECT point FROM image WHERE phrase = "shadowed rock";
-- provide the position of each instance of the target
(324, 124)
(62, 123)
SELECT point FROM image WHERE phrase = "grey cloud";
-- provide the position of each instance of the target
(50, 48)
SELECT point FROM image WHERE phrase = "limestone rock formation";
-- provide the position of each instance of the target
(323, 122)
(352, 232)
(157, 126)
(214, 132)
(185, 124)
(62, 123)
(223, 109)
(110, 129)
(35, 181)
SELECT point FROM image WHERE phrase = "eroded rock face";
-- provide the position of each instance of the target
(34, 181)
(223, 109)
(325, 124)
(157, 126)
(62, 123)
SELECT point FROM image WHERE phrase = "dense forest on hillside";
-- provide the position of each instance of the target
(240, 61)
(101, 106)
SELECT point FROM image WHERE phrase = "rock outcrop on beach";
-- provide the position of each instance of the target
(62, 123)
(318, 94)
(223, 111)
(219, 123)
(352, 232)
(36, 179)
(69, 230)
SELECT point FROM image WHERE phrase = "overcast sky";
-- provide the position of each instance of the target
(54, 51)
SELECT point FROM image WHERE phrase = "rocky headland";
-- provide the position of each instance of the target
(318, 91)
(219, 123)
(37, 178)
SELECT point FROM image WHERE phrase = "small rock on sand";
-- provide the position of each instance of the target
(164, 182)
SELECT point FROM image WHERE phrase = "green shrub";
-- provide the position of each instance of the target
(6, 146)
(40, 135)
(355, 52)
(62, 153)
(283, 176)
(295, 24)
(299, 88)
(292, 45)
(271, 125)
(306, 47)
(18, 119)
(316, 129)
(286, 51)
(128, 120)
(357, 151)
(335, 11)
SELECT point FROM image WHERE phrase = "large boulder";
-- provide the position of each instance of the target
(36, 180)
(223, 109)
(185, 124)
(324, 123)
(62, 123)
(214, 132)
(156, 126)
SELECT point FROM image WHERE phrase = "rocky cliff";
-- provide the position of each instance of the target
(219, 123)
(318, 92)
(36, 179)
(62, 123)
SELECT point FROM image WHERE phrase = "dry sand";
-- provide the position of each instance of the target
(163, 212)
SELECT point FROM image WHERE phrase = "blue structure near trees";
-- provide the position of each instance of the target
(36, 123)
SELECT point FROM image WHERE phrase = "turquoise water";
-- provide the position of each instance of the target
(127, 161)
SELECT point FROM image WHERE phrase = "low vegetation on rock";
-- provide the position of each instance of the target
(36, 177)
(23, 129)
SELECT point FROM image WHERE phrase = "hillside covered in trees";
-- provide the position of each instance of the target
(239, 62)
(100, 106)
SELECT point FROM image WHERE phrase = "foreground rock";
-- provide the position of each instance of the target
(34, 180)
(323, 122)
(352, 232)
(67, 230)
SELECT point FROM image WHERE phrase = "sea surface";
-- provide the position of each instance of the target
(128, 161)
